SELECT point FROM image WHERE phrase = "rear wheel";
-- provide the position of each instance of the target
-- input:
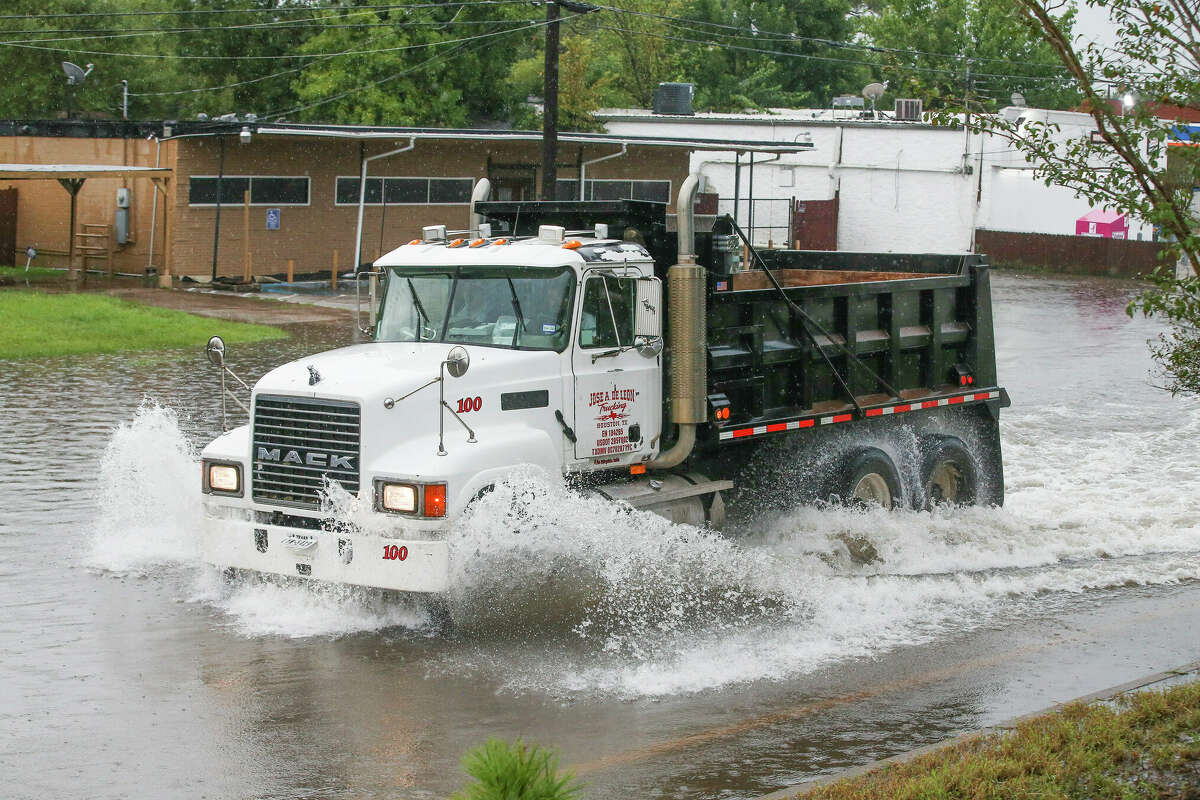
(948, 472)
(869, 477)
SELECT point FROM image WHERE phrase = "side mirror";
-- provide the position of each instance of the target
(457, 361)
(648, 319)
(647, 324)
(215, 350)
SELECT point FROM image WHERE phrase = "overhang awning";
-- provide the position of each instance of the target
(25, 172)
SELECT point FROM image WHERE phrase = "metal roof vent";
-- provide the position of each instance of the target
(674, 98)
(908, 110)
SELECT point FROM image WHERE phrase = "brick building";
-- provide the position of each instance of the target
(290, 192)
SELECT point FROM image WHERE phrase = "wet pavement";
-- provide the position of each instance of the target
(132, 671)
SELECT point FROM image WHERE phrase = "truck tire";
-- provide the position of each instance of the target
(869, 477)
(948, 472)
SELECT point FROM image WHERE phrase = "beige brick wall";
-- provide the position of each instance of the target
(43, 206)
(310, 235)
(307, 235)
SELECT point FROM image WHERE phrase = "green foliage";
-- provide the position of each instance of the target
(518, 772)
(731, 79)
(419, 66)
(1141, 746)
(40, 325)
(929, 47)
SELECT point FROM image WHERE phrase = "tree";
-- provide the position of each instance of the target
(951, 50)
(414, 66)
(747, 54)
(1128, 163)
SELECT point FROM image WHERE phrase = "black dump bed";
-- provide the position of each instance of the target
(801, 338)
(857, 333)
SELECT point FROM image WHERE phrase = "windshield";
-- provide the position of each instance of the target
(525, 308)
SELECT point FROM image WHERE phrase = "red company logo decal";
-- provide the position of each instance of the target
(612, 417)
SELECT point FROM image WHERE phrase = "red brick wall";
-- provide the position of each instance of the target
(1082, 254)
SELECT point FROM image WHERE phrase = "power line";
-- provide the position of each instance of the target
(180, 56)
(741, 32)
(831, 59)
(273, 10)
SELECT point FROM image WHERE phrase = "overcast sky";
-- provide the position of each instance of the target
(1093, 24)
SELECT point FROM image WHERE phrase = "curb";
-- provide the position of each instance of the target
(804, 787)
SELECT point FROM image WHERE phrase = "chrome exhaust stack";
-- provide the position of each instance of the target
(688, 334)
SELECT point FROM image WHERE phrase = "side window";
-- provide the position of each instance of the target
(608, 305)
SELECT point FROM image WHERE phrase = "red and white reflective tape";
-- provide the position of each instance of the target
(899, 408)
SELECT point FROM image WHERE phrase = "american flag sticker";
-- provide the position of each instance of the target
(722, 286)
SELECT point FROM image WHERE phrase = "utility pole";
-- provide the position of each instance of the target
(550, 105)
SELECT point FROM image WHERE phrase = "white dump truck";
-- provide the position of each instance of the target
(544, 336)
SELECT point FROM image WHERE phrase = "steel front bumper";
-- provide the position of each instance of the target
(351, 558)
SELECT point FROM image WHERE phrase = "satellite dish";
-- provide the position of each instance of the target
(1018, 99)
(76, 75)
(874, 91)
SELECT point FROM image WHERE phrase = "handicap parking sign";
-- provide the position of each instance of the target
(272, 219)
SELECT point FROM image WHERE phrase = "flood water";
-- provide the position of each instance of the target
(661, 660)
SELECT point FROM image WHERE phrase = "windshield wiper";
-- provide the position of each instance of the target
(516, 304)
(420, 308)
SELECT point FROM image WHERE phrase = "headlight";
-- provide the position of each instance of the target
(400, 497)
(223, 478)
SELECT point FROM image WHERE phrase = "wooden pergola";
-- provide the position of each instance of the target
(72, 177)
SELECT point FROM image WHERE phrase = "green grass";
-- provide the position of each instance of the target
(37, 325)
(34, 275)
(1145, 745)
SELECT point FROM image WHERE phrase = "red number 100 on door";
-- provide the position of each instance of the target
(466, 404)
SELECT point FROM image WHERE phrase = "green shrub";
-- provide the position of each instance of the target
(517, 772)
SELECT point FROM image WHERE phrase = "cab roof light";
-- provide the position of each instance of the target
(479, 242)
(433, 233)
(415, 241)
(500, 241)
(574, 244)
(456, 242)
(551, 233)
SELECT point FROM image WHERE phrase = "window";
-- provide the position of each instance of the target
(608, 304)
(264, 190)
(523, 308)
(609, 189)
(406, 191)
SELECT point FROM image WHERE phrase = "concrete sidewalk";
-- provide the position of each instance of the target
(1184, 674)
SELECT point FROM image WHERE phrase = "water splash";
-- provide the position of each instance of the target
(568, 594)
(146, 509)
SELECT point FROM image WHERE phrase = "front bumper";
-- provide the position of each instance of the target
(351, 558)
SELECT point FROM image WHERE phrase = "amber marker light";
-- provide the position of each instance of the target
(415, 241)
(457, 242)
(435, 500)
(574, 244)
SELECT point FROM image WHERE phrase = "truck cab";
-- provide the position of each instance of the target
(488, 352)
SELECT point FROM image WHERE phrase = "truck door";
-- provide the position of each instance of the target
(618, 390)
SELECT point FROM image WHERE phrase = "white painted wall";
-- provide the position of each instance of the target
(903, 187)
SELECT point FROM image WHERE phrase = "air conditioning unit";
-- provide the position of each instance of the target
(908, 110)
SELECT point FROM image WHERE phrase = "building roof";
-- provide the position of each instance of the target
(772, 116)
(17, 172)
(1102, 216)
(170, 129)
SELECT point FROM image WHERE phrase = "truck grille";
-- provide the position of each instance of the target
(299, 441)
